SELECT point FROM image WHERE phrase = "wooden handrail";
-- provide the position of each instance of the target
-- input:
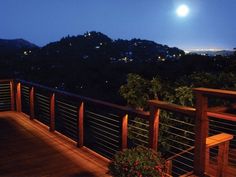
(215, 140)
(222, 108)
(225, 116)
(173, 107)
(220, 112)
(139, 113)
(216, 92)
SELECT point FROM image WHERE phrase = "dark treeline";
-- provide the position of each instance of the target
(96, 66)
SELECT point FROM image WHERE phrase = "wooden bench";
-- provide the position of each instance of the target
(222, 141)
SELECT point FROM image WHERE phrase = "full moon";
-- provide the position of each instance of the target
(182, 10)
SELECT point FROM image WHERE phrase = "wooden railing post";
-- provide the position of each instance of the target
(52, 112)
(18, 97)
(222, 159)
(124, 132)
(12, 95)
(154, 127)
(80, 127)
(31, 103)
(201, 133)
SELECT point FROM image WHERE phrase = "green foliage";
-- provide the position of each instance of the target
(155, 87)
(137, 162)
(138, 90)
(135, 91)
(211, 80)
(184, 95)
(178, 92)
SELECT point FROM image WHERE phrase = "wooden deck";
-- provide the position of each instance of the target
(28, 149)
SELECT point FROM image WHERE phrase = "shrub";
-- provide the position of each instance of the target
(137, 162)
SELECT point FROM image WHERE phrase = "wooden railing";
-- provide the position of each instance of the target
(105, 127)
(99, 125)
(201, 116)
(178, 123)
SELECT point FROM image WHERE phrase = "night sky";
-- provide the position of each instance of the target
(209, 24)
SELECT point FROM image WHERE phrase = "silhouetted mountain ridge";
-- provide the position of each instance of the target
(96, 45)
(15, 45)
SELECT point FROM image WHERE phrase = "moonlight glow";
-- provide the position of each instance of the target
(182, 11)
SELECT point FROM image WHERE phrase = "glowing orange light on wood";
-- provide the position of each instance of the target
(18, 97)
(32, 103)
(124, 132)
(52, 112)
(80, 119)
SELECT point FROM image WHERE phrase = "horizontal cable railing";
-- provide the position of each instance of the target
(5, 95)
(101, 126)
(176, 136)
(106, 128)
(42, 107)
(66, 113)
(102, 129)
(25, 101)
(138, 131)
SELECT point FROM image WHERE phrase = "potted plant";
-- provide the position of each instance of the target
(137, 162)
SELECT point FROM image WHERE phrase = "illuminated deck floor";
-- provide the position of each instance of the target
(28, 149)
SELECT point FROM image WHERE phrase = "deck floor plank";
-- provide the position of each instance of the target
(28, 149)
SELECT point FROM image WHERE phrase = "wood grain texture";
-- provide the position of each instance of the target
(173, 107)
(201, 133)
(124, 132)
(32, 95)
(27, 148)
(216, 92)
(154, 128)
